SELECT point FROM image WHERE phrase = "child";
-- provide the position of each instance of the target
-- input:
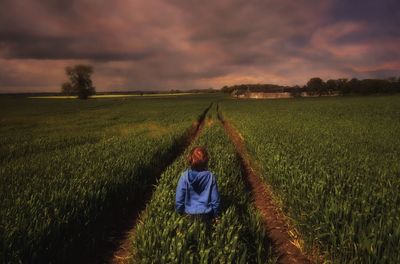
(197, 192)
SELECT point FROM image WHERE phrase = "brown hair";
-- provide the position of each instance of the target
(198, 158)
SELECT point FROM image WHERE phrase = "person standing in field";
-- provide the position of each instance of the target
(197, 192)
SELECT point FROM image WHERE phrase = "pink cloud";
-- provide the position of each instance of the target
(184, 44)
(325, 39)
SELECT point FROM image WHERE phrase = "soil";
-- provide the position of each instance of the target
(286, 242)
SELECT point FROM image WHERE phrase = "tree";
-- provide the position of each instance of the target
(295, 91)
(332, 85)
(342, 85)
(80, 82)
(353, 86)
(316, 85)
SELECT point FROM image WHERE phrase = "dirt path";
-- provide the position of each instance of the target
(121, 254)
(284, 238)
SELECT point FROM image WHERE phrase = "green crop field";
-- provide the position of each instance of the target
(335, 164)
(332, 164)
(64, 162)
(238, 238)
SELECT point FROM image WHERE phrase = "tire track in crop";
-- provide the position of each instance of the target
(284, 238)
(121, 253)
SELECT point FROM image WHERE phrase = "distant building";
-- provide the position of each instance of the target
(265, 95)
(275, 95)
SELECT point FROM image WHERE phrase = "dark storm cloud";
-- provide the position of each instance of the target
(59, 30)
(383, 14)
(196, 44)
(381, 20)
(49, 47)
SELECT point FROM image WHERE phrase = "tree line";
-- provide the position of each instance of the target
(80, 84)
(317, 86)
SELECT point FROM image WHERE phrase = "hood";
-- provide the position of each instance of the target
(198, 179)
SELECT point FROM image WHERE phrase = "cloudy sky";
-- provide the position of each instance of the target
(185, 44)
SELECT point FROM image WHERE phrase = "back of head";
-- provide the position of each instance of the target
(198, 159)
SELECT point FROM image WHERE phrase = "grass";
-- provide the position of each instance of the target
(64, 163)
(167, 237)
(334, 162)
(103, 96)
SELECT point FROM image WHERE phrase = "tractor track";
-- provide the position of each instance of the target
(285, 240)
(121, 250)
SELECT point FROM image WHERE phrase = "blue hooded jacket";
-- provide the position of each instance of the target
(197, 193)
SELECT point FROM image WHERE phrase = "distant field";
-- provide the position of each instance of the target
(333, 165)
(111, 96)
